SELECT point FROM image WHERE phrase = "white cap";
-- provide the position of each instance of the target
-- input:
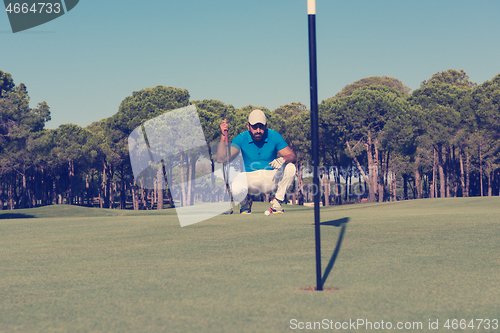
(257, 116)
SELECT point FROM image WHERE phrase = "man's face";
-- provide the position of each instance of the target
(257, 131)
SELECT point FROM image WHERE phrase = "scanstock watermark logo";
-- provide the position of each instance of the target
(173, 146)
(26, 14)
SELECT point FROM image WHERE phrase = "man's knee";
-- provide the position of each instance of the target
(239, 187)
(290, 170)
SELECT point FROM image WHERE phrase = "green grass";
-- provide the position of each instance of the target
(74, 269)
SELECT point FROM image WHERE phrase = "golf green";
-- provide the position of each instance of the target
(411, 264)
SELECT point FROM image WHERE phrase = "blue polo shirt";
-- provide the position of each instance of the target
(258, 155)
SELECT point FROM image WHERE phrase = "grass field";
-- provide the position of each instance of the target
(74, 269)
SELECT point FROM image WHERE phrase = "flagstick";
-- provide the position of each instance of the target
(311, 14)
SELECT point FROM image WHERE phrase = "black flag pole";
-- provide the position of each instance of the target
(313, 79)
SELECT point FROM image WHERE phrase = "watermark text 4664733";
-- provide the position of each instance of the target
(26, 14)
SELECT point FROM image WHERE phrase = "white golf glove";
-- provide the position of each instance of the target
(277, 163)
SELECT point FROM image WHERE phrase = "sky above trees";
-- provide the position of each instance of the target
(85, 63)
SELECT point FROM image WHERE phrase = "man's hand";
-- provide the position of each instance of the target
(222, 147)
(224, 127)
(277, 163)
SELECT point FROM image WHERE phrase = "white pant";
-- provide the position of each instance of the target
(263, 182)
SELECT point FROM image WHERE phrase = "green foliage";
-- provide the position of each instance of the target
(147, 104)
(450, 76)
(6, 83)
(71, 144)
(482, 119)
(441, 110)
(376, 124)
(143, 105)
(297, 132)
(211, 113)
(370, 82)
(379, 111)
(484, 103)
(19, 125)
(291, 110)
(448, 123)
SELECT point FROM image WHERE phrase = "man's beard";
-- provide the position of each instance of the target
(257, 138)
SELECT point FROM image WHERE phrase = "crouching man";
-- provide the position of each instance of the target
(265, 172)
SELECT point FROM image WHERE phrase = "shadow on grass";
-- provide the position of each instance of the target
(6, 216)
(336, 223)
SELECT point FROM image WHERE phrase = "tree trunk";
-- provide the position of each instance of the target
(418, 180)
(189, 175)
(112, 191)
(1, 193)
(405, 187)
(91, 188)
(338, 188)
(81, 198)
(359, 193)
(123, 188)
(168, 172)
(143, 193)
(434, 176)
(348, 183)
(111, 188)
(192, 179)
(54, 191)
(447, 164)
(373, 170)
(140, 197)
(100, 190)
(212, 176)
(454, 171)
(490, 183)
(300, 184)
(71, 175)
(327, 188)
(481, 170)
(388, 175)
(442, 188)
(152, 199)
(366, 178)
(87, 190)
(394, 185)
(159, 177)
(462, 175)
(300, 180)
(32, 190)
(103, 194)
(467, 173)
(496, 182)
(42, 186)
(379, 157)
(170, 199)
(48, 188)
(10, 191)
(183, 183)
(135, 196)
(24, 192)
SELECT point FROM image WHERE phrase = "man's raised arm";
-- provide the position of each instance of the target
(221, 150)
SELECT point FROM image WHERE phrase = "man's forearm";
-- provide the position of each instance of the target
(221, 150)
(290, 158)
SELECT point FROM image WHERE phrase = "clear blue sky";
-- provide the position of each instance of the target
(241, 52)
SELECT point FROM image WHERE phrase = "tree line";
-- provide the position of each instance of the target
(441, 140)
